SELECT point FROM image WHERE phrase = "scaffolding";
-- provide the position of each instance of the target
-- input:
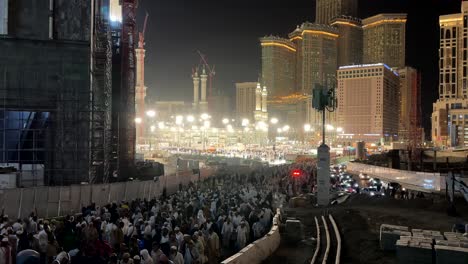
(44, 109)
(101, 97)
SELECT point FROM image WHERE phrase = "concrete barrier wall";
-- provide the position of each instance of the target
(261, 249)
(423, 181)
(62, 200)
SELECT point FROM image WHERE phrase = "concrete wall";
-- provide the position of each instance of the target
(59, 201)
(261, 249)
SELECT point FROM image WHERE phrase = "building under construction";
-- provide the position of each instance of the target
(67, 91)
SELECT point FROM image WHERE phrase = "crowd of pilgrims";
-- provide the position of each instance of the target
(203, 222)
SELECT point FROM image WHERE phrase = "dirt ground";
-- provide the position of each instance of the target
(359, 220)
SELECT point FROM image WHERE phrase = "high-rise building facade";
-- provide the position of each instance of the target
(349, 40)
(278, 65)
(296, 38)
(409, 129)
(384, 39)
(319, 55)
(245, 100)
(326, 10)
(450, 111)
(368, 102)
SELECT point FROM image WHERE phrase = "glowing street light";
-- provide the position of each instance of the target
(151, 113)
(153, 128)
(339, 129)
(225, 121)
(205, 116)
(279, 130)
(138, 120)
(206, 124)
(286, 128)
(245, 122)
(329, 127)
(274, 120)
(307, 127)
(179, 119)
(161, 125)
(190, 118)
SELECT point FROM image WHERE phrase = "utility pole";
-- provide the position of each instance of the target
(323, 100)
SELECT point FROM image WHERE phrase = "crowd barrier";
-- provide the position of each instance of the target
(424, 181)
(262, 248)
(62, 200)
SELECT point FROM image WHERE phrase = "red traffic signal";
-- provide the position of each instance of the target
(296, 173)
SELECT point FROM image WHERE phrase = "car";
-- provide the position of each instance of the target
(364, 176)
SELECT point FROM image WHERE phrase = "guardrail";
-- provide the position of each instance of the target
(262, 248)
(55, 201)
(421, 181)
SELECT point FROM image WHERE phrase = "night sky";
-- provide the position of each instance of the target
(228, 31)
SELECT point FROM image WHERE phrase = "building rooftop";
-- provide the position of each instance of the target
(450, 19)
(353, 20)
(384, 18)
(368, 66)
(277, 41)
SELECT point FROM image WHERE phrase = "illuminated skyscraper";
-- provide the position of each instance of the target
(278, 65)
(368, 102)
(384, 39)
(319, 51)
(450, 111)
(246, 100)
(349, 40)
(409, 129)
(327, 10)
(296, 38)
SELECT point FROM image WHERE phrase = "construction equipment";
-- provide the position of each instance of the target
(141, 35)
(211, 74)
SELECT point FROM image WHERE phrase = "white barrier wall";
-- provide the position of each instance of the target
(63, 200)
(261, 249)
(422, 180)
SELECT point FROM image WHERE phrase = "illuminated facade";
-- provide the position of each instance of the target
(296, 38)
(349, 40)
(384, 39)
(368, 102)
(450, 112)
(246, 100)
(409, 129)
(327, 10)
(319, 51)
(278, 65)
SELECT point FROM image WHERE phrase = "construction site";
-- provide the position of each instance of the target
(67, 83)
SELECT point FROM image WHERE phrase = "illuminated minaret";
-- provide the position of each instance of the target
(140, 88)
(196, 87)
(258, 103)
(258, 98)
(203, 102)
(264, 103)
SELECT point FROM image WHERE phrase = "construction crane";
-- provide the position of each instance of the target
(211, 74)
(141, 35)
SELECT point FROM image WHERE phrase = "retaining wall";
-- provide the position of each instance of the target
(261, 249)
(61, 200)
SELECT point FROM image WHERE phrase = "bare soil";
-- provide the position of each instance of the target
(359, 220)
